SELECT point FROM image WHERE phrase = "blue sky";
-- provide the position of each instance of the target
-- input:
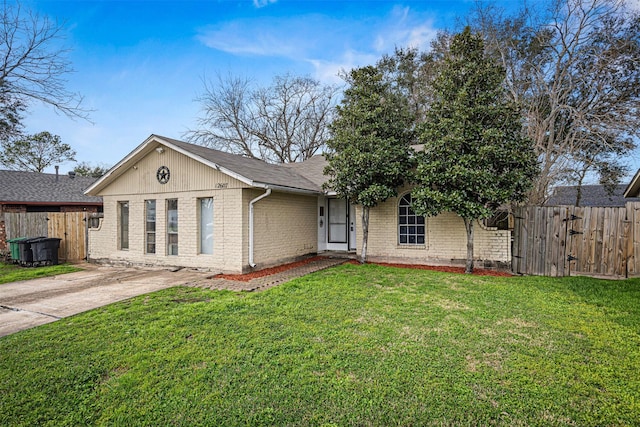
(140, 64)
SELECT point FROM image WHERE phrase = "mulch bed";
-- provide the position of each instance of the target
(280, 268)
(447, 269)
(267, 271)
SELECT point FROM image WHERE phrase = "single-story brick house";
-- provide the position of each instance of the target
(23, 191)
(171, 203)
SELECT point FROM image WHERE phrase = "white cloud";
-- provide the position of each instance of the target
(404, 29)
(253, 37)
(262, 3)
(330, 45)
(329, 71)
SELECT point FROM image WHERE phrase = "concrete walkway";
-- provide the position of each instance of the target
(30, 303)
(266, 282)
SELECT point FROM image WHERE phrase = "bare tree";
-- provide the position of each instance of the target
(574, 69)
(284, 122)
(33, 65)
(11, 111)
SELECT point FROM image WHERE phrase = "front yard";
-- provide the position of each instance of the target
(352, 345)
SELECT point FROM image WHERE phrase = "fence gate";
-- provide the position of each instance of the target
(71, 227)
(568, 240)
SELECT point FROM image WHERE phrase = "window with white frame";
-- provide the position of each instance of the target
(411, 227)
(205, 208)
(172, 227)
(123, 213)
(150, 226)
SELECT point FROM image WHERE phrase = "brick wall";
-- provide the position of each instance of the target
(285, 227)
(445, 239)
(227, 232)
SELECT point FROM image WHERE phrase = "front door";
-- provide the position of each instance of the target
(338, 221)
(341, 225)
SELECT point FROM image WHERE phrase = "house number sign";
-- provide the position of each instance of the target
(163, 174)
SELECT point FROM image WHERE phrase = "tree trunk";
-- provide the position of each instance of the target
(468, 224)
(365, 233)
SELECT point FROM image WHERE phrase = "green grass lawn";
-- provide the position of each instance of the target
(13, 273)
(352, 345)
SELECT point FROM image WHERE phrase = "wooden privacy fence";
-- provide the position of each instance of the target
(569, 240)
(25, 224)
(71, 227)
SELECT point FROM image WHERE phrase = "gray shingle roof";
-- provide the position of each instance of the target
(35, 187)
(312, 169)
(253, 169)
(592, 195)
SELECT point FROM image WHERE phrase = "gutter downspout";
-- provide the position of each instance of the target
(251, 203)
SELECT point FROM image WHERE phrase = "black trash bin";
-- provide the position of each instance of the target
(45, 250)
(25, 252)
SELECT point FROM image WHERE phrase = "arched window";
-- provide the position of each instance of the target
(410, 225)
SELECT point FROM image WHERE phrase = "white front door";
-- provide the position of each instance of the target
(338, 220)
(340, 225)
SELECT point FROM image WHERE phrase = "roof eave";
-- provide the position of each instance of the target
(116, 170)
(633, 187)
(32, 203)
(284, 188)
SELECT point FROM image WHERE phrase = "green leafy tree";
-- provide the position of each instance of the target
(87, 169)
(411, 73)
(370, 144)
(35, 152)
(475, 156)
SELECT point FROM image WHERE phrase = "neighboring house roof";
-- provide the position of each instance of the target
(592, 195)
(33, 188)
(253, 172)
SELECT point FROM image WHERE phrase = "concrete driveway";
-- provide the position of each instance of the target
(30, 303)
